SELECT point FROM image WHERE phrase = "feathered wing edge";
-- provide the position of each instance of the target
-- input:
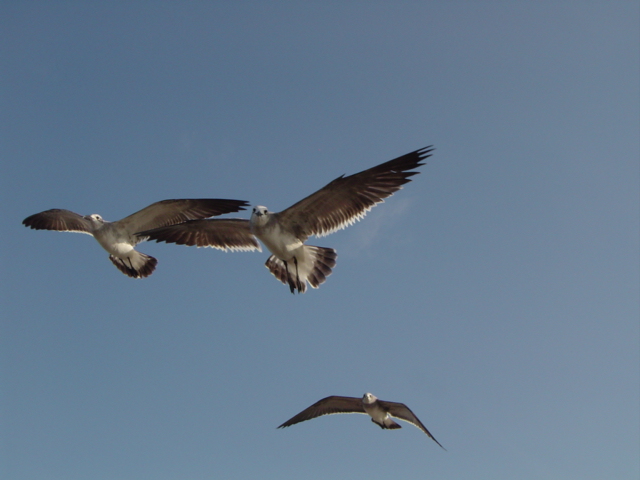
(401, 411)
(327, 406)
(347, 200)
(59, 220)
(231, 234)
(171, 212)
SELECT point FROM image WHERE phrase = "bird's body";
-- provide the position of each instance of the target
(119, 242)
(378, 415)
(337, 205)
(292, 262)
(380, 412)
(278, 240)
(118, 238)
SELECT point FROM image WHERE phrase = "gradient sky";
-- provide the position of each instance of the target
(497, 294)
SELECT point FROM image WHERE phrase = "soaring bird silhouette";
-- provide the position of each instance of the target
(380, 411)
(337, 205)
(119, 239)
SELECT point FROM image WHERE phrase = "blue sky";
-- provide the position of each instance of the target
(496, 295)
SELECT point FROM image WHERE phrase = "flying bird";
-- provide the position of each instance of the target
(380, 412)
(119, 239)
(337, 205)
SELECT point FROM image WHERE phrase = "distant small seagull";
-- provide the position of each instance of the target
(118, 237)
(379, 411)
(334, 207)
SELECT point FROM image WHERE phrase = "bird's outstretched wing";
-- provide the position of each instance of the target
(224, 234)
(346, 200)
(60, 220)
(401, 411)
(327, 406)
(170, 212)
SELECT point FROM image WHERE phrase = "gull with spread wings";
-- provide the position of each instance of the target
(119, 239)
(380, 412)
(337, 205)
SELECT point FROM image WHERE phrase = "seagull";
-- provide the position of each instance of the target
(337, 205)
(118, 237)
(379, 411)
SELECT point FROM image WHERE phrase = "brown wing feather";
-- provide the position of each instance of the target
(170, 212)
(224, 233)
(347, 199)
(60, 220)
(401, 411)
(327, 406)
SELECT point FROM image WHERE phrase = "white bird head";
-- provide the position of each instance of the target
(96, 219)
(259, 215)
(369, 398)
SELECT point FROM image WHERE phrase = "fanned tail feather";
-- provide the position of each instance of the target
(277, 268)
(137, 265)
(387, 424)
(325, 260)
(314, 266)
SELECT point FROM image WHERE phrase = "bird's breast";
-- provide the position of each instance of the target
(375, 411)
(114, 241)
(281, 243)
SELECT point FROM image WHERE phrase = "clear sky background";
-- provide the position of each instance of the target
(496, 294)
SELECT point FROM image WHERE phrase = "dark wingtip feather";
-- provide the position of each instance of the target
(36, 221)
(220, 206)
